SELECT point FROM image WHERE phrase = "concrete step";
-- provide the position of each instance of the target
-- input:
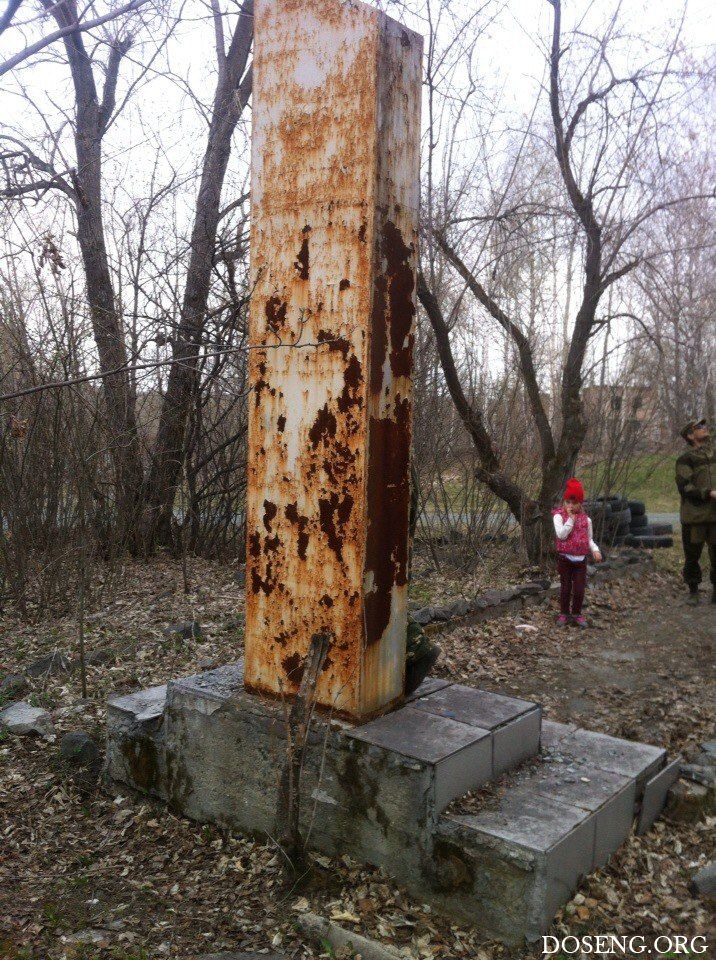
(467, 736)
(526, 842)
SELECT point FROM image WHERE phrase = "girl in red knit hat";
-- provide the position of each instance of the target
(573, 542)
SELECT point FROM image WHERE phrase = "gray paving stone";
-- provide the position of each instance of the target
(544, 848)
(428, 686)
(478, 708)
(537, 823)
(553, 733)
(609, 796)
(638, 760)
(614, 823)
(514, 723)
(655, 791)
(423, 736)
(516, 741)
(460, 753)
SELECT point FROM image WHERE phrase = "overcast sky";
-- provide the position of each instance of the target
(162, 120)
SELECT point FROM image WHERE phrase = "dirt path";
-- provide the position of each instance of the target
(644, 669)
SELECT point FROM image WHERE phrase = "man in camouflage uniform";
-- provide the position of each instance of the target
(696, 480)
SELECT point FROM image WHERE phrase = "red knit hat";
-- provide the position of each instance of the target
(574, 490)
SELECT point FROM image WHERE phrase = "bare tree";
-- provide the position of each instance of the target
(232, 93)
(609, 201)
(29, 175)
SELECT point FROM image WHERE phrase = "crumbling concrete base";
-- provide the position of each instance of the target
(388, 792)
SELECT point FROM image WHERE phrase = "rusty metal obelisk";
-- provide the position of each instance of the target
(334, 199)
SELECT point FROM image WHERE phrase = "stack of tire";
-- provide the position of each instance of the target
(648, 536)
(617, 521)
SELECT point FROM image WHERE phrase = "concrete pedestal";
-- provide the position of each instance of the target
(383, 792)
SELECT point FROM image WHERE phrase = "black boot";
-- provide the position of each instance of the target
(693, 598)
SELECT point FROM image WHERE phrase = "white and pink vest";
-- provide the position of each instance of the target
(577, 543)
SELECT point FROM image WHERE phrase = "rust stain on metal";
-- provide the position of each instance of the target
(333, 243)
(324, 427)
(334, 513)
(302, 264)
(275, 313)
(293, 516)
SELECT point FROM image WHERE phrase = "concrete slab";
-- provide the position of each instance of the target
(655, 791)
(428, 686)
(537, 823)
(219, 684)
(522, 859)
(427, 737)
(478, 708)
(516, 741)
(609, 796)
(144, 705)
(136, 752)
(514, 723)
(460, 754)
(638, 760)
(614, 823)
(553, 733)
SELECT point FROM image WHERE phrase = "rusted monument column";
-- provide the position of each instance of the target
(334, 196)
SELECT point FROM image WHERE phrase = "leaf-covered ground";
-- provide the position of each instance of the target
(136, 882)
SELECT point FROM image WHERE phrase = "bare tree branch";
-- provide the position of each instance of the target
(66, 31)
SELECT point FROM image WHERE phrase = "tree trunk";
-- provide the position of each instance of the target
(232, 94)
(91, 121)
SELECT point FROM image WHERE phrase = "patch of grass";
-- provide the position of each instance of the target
(652, 480)
(648, 477)
(419, 590)
(52, 914)
(79, 881)
(43, 699)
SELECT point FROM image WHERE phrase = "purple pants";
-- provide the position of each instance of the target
(573, 580)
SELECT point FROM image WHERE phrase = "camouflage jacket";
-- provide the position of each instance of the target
(696, 478)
